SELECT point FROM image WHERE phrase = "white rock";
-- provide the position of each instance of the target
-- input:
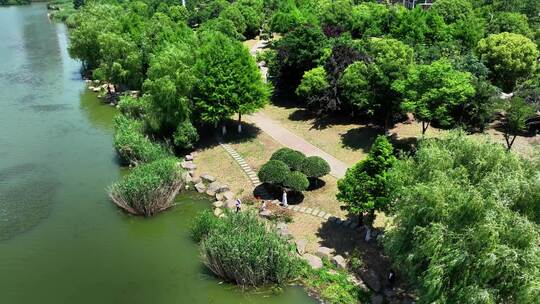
(340, 262)
(324, 252)
(314, 261)
(301, 246)
(200, 187)
(218, 204)
(218, 212)
(188, 157)
(208, 178)
(188, 165)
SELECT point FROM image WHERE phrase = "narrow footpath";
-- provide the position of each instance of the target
(287, 138)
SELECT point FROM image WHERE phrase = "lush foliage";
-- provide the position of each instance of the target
(240, 248)
(364, 187)
(149, 188)
(132, 144)
(315, 167)
(274, 172)
(296, 181)
(509, 56)
(517, 113)
(292, 158)
(456, 233)
(434, 91)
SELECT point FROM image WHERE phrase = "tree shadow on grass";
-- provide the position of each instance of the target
(272, 192)
(315, 184)
(208, 135)
(361, 138)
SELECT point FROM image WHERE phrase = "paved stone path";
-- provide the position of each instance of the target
(293, 141)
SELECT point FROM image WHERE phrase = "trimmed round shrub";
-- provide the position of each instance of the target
(241, 249)
(315, 167)
(185, 135)
(131, 143)
(291, 157)
(132, 107)
(274, 172)
(296, 181)
(149, 188)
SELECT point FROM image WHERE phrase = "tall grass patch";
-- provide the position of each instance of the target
(149, 188)
(242, 249)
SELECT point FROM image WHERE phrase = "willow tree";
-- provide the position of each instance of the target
(455, 232)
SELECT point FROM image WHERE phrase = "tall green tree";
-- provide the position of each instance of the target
(228, 82)
(433, 91)
(364, 187)
(390, 61)
(169, 87)
(120, 61)
(509, 57)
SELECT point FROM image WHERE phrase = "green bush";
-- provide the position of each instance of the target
(291, 157)
(149, 188)
(205, 222)
(334, 285)
(241, 249)
(296, 181)
(131, 143)
(273, 172)
(132, 107)
(185, 135)
(315, 167)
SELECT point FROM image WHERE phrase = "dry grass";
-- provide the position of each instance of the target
(214, 160)
(250, 43)
(346, 140)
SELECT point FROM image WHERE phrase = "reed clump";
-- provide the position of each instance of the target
(242, 249)
(149, 188)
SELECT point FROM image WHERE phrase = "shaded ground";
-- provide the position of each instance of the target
(343, 138)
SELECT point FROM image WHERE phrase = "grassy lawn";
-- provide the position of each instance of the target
(345, 139)
(256, 147)
(213, 159)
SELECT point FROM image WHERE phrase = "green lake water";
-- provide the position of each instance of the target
(61, 240)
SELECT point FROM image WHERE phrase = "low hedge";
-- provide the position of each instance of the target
(149, 188)
(240, 248)
(133, 146)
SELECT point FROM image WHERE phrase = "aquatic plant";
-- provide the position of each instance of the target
(241, 248)
(149, 188)
(132, 144)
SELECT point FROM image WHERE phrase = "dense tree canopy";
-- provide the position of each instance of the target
(433, 91)
(509, 56)
(456, 232)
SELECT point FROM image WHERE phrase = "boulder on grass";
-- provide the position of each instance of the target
(371, 279)
(218, 212)
(230, 204)
(301, 246)
(313, 261)
(324, 252)
(340, 262)
(265, 213)
(195, 179)
(218, 204)
(188, 157)
(208, 178)
(190, 166)
(200, 187)
(210, 193)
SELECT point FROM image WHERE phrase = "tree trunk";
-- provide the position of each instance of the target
(239, 122)
(368, 233)
(369, 225)
(425, 126)
(223, 130)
